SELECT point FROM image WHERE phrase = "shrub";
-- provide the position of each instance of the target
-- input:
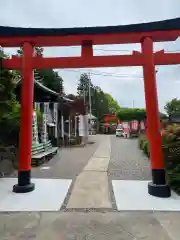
(171, 133)
(141, 139)
(9, 108)
(146, 148)
(172, 164)
(10, 123)
(39, 118)
(171, 150)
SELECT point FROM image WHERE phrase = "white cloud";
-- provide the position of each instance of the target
(59, 13)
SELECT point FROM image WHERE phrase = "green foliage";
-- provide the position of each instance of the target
(83, 86)
(171, 159)
(112, 103)
(9, 108)
(129, 114)
(171, 134)
(144, 144)
(71, 96)
(10, 127)
(163, 116)
(48, 77)
(102, 103)
(173, 107)
(38, 51)
(39, 118)
(141, 139)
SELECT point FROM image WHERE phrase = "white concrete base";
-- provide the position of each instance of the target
(133, 196)
(48, 195)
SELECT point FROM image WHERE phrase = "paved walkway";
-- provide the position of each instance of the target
(90, 226)
(90, 208)
(91, 190)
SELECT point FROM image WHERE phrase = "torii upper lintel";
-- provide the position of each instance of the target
(166, 30)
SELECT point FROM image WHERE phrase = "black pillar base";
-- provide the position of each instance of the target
(158, 186)
(23, 189)
(24, 183)
(162, 191)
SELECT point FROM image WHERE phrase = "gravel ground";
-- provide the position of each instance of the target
(127, 161)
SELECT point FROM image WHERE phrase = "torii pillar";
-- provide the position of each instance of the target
(25, 145)
(158, 186)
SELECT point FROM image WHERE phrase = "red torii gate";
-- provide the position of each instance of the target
(145, 33)
(109, 117)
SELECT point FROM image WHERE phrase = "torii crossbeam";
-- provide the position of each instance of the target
(145, 34)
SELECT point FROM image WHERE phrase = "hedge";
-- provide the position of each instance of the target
(171, 160)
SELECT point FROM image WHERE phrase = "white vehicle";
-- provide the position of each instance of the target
(119, 131)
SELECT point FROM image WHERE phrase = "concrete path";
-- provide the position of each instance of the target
(90, 226)
(91, 189)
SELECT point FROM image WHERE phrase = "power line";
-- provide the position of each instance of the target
(123, 50)
(104, 74)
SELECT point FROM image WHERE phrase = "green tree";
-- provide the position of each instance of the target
(83, 88)
(9, 107)
(48, 77)
(101, 103)
(129, 114)
(38, 51)
(71, 96)
(83, 85)
(173, 107)
(112, 104)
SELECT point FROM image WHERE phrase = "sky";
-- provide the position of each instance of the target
(125, 84)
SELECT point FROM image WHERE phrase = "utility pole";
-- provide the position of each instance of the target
(90, 110)
(133, 103)
(84, 94)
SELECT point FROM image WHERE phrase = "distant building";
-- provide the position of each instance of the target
(174, 119)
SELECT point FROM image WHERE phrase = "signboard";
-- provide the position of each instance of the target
(55, 118)
(134, 125)
(142, 125)
(126, 128)
(35, 128)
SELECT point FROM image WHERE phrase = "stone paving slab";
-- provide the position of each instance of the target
(98, 164)
(171, 223)
(91, 226)
(103, 151)
(90, 190)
